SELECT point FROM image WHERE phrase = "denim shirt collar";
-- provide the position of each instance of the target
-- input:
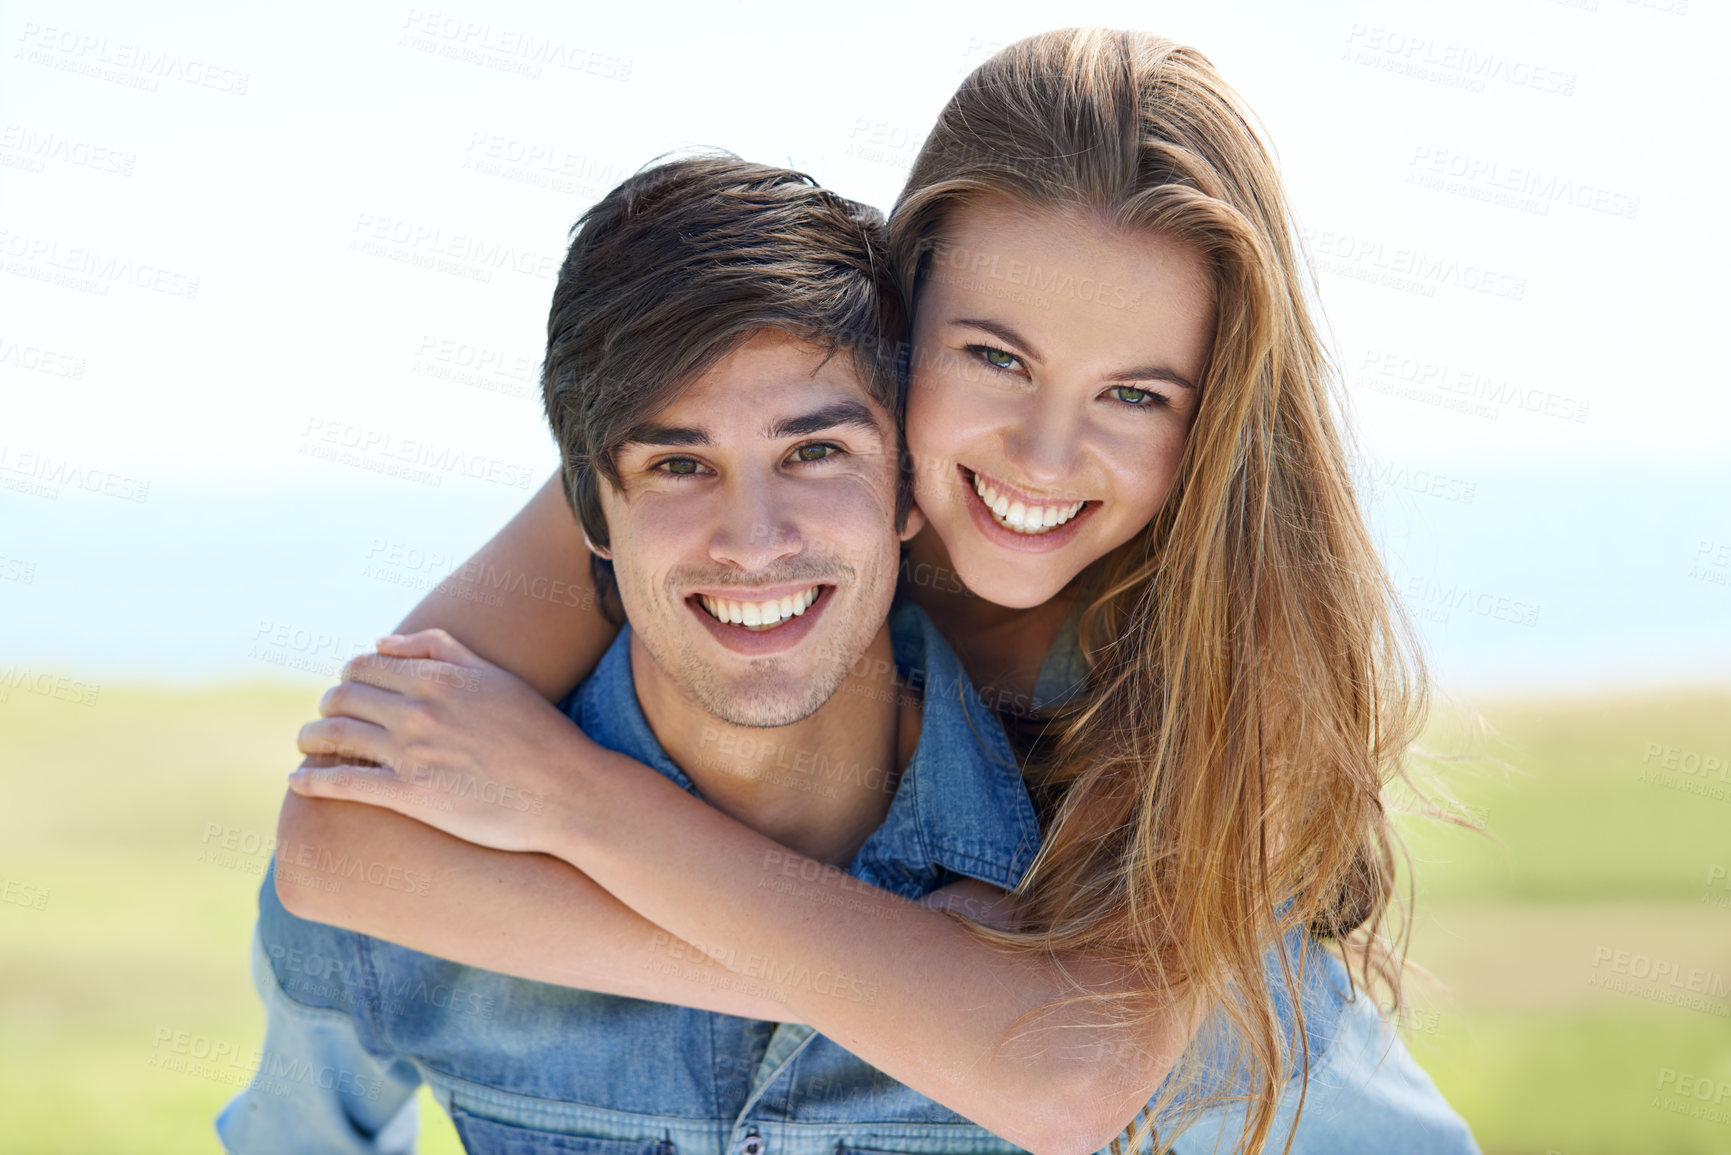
(960, 806)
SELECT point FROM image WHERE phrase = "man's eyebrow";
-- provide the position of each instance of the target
(1140, 373)
(839, 413)
(650, 433)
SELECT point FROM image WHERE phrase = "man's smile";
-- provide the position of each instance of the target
(761, 623)
(759, 615)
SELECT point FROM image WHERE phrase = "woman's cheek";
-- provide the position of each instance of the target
(921, 417)
(944, 416)
(1142, 474)
(924, 438)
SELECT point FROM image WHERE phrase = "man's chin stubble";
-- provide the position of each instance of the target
(743, 705)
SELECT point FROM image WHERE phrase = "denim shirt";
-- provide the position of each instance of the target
(355, 1024)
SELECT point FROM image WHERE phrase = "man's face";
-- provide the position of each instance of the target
(753, 530)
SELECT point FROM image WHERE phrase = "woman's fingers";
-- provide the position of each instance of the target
(434, 644)
(388, 673)
(364, 703)
(346, 738)
(343, 780)
(418, 665)
(414, 677)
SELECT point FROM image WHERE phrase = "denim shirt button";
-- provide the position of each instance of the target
(753, 1145)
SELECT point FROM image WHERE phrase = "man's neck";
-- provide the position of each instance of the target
(819, 786)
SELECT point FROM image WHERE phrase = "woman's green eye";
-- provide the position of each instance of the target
(1132, 395)
(812, 452)
(997, 358)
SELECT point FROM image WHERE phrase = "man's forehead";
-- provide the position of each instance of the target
(768, 388)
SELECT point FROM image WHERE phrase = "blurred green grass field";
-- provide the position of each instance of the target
(134, 832)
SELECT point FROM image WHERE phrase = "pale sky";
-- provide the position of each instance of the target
(231, 235)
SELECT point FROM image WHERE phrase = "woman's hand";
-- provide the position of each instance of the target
(428, 729)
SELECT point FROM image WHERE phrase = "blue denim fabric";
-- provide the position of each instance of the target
(1364, 1094)
(354, 1024)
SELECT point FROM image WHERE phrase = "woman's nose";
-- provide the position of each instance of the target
(1045, 444)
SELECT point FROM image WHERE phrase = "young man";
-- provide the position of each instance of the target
(729, 421)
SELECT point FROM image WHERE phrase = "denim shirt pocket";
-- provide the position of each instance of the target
(483, 1136)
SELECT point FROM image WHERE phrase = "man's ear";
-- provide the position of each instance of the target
(916, 522)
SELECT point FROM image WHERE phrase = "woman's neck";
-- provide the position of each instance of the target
(1001, 648)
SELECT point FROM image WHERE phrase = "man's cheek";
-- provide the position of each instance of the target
(878, 502)
(855, 518)
(656, 535)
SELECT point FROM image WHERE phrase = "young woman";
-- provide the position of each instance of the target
(1142, 540)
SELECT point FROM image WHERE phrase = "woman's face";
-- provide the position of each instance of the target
(1055, 374)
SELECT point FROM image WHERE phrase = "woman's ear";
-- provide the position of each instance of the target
(598, 551)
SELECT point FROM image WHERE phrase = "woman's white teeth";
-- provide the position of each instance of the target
(759, 615)
(1021, 517)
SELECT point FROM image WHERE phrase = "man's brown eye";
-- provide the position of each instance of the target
(681, 466)
(813, 452)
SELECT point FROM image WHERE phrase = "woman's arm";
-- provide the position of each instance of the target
(528, 915)
(903, 987)
(526, 601)
(907, 989)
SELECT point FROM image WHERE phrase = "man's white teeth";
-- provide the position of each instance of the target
(759, 615)
(1021, 517)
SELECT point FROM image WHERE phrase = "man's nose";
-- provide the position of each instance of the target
(753, 527)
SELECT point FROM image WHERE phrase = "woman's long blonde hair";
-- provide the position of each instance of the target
(1254, 681)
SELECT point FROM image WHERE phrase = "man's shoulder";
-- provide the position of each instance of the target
(931, 669)
(615, 662)
(972, 808)
(599, 702)
(920, 649)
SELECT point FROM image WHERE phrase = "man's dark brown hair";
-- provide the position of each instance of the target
(681, 264)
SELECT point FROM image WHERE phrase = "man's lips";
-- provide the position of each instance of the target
(758, 609)
(757, 641)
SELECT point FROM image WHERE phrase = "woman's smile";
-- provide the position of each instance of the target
(1018, 510)
(1013, 528)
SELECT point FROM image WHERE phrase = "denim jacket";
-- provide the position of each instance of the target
(355, 1024)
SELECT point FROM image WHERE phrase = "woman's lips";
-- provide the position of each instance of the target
(992, 526)
(1022, 512)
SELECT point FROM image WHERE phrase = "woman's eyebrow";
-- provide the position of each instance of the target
(1003, 333)
(839, 413)
(1152, 373)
